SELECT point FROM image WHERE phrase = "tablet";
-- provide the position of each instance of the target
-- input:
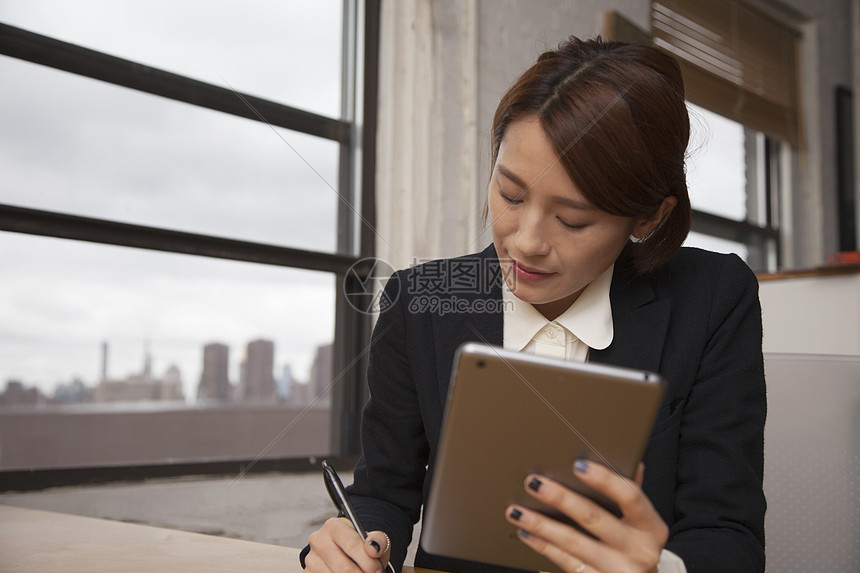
(509, 414)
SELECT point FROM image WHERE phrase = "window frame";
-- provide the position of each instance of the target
(766, 120)
(355, 133)
(763, 238)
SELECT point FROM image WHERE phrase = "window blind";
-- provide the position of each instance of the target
(737, 61)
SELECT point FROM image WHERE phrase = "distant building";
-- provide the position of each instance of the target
(74, 392)
(284, 384)
(142, 386)
(256, 378)
(170, 387)
(16, 394)
(215, 381)
(134, 388)
(321, 374)
(300, 394)
(105, 352)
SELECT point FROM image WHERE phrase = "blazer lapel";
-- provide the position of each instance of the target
(640, 321)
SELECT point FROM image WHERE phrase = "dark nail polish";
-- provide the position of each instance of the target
(516, 514)
(581, 465)
(375, 545)
(534, 484)
(524, 534)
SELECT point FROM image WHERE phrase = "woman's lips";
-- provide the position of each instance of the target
(527, 273)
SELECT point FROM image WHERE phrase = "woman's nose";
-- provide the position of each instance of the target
(531, 235)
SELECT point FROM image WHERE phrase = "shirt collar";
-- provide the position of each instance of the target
(589, 318)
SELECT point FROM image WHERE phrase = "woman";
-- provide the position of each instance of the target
(588, 207)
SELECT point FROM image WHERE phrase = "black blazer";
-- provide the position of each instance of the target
(696, 321)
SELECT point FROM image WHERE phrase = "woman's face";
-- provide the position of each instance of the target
(550, 240)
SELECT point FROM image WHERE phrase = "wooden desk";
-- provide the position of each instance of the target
(35, 541)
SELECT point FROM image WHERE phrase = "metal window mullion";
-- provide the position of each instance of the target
(346, 212)
(32, 47)
(64, 226)
(345, 379)
(729, 229)
(352, 328)
(772, 193)
(367, 229)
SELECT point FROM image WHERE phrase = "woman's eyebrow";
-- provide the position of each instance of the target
(574, 203)
(508, 174)
(512, 176)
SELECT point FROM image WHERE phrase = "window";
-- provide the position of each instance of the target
(733, 189)
(741, 75)
(740, 68)
(184, 194)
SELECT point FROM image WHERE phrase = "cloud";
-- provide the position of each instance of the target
(110, 152)
(285, 50)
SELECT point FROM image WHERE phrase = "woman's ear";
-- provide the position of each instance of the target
(645, 227)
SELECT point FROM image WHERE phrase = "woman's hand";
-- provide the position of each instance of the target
(337, 548)
(630, 543)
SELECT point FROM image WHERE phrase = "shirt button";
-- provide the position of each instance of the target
(551, 332)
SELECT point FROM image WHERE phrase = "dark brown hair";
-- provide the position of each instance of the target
(616, 116)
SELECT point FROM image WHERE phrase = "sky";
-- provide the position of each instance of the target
(716, 176)
(715, 164)
(75, 145)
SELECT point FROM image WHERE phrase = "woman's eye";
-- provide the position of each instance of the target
(510, 200)
(570, 225)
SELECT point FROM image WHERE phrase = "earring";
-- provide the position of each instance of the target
(635, 239)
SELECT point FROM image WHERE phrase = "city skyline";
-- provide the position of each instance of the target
(105, 385)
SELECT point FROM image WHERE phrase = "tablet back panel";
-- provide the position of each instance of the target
(510, 414)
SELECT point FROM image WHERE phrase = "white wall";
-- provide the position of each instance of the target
(813, 315)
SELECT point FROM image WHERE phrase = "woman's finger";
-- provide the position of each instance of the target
(326, 555)
(315, 564)
(569, 547)
(542, 531)
(378, 546)
(568, 562)
(635, 506)
(338, 548)
(586, 513)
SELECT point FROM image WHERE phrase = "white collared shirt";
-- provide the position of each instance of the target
(586, 324)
